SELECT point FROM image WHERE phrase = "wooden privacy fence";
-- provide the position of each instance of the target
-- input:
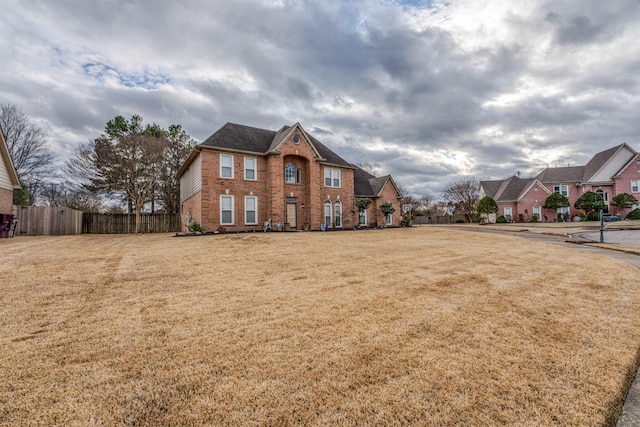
(105, 223)
(47, 221)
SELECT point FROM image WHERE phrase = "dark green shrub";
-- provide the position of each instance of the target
(583, 216)
(194, 227)
(501, 220)
(634, 214)
(593, 216)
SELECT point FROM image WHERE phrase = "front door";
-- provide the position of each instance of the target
(292, 213)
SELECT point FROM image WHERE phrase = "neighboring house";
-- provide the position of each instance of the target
(608, 173)
(8, 177)
(241, 177)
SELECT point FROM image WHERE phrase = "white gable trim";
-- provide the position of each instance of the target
(613, 165)
(7, 162)
(297, 128)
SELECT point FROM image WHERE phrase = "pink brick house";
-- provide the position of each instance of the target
(8, 177)
(241, 177)
(609, 173)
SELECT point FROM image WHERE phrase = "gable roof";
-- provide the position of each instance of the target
(237, 137)
(635, 157)
(367, 185)
(598, 161)
(8, 162)
(507, 190)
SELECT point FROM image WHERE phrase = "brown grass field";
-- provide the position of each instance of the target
(420, 326)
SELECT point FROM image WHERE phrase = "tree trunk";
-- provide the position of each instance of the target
(138, 217)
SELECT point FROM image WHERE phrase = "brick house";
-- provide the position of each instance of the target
(8, 177)
(608, 173)
(241, 177)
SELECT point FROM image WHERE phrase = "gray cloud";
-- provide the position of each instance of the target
(422, 90)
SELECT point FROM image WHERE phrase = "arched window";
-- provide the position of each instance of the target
(290, 173)
(338, 214)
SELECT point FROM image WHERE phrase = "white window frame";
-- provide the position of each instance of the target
(224, 197)
(508, 216)
(635, 183)
(255, 210)
(296, 174)
(254, 168)
(328, 209)
(537, 212)
(222, 166)
(337, 213)
(389, 219)
(332, 175)
(362, 219)
(562, 189)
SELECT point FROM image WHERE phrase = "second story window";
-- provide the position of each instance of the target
(291, 174)
(331, 177)
(562, 189)
(250, 169)
(226, 166)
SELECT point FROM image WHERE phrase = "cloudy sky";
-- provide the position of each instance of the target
(425, 90)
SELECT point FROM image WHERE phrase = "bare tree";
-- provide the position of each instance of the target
(129, 165)
(426, 204)
(463, 193)
(31, 155)
(69, 195)
(80, 168)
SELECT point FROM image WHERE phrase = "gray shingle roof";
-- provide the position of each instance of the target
(564, 174)
(361, 183)
(506, 190)
(239, 137)
(491, 187)
(233, 136)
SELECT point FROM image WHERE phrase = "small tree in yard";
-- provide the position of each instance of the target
(463, 193)
(590, 201)
(362, 205)
(624, 201)
(487, 205)
(556, 201)
(387, 209)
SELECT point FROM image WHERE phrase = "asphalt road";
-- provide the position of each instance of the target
(627, 237)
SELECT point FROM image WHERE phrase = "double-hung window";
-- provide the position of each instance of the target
(635, 185)
(362, 218)
(337, 208)
(562, 189)
(250, 210)
(226, 210)
(507, 213)
(226, 166)
(332, 177)
(390, 219)
(250, 169)
(327, 213)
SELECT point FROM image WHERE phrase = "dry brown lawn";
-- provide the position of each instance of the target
(421, 326)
